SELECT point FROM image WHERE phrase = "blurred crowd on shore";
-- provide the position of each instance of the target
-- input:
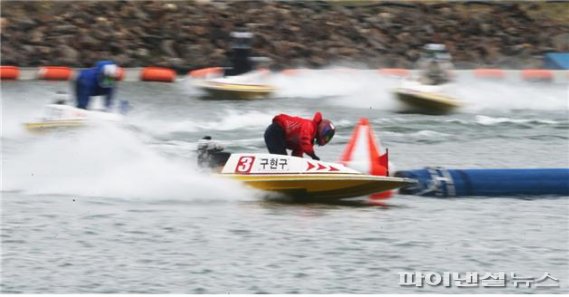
(194, 34)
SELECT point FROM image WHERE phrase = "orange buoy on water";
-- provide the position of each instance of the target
(120, 73)
(401, 72)
(363, 153)
(206, 72)
(55, 73)
(537, 74)
(489, 73)
(9, 72)
(160, 74)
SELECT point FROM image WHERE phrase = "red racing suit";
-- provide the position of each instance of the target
(299, 133)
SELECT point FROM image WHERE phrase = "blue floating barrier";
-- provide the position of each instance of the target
(442, 182)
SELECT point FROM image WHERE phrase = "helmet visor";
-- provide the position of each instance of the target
(326, 134)
(327, 137)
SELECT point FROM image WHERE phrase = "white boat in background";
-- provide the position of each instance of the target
(61, 116)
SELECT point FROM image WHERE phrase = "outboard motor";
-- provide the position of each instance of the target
(211, 154)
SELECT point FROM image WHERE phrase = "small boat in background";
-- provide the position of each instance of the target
(245, 86)
(245, 77)
(63, 116)
(426, 99)
(429, 93)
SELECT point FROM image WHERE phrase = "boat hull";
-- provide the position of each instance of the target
(225, 90)
(53, 125)
(251, 85)
(426, 103)
(60, 116)
(323, 186)
(216, 90)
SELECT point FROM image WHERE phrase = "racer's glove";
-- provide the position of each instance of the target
(314, 157)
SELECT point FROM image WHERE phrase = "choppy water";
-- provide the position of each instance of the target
(124, 210)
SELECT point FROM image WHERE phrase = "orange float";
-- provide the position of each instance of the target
(160, 74)
(206, 72)
(55, 73)
(489, 73)
(537, 74)
(9, 72)
(401, 72)
(120, 74)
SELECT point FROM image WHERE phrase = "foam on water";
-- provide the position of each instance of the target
(252, 121)
(418, 136)
(313, 84)
(109, 162)
(492, 121)
(368, 89)
(224, 120)
(346, 87)
(14, 114)
(514, 95)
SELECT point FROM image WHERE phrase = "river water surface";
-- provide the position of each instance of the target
(123, 209)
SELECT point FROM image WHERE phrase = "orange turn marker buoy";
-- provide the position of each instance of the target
(120, 74)
(489, 73)
(9, 72)
(159, 74)
(400, 72)
(290, 72)
(55, 73)
(206, 72)
(537, 74)
(363, 153)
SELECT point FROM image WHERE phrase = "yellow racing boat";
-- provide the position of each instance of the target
(298, 177)
(50, 125)
(245, 86)
(225, 90)
(322, 186)
(426, 99)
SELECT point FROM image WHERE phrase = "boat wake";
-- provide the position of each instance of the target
(110, 162)
(368, 89)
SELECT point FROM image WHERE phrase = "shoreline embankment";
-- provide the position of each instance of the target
(186, 35)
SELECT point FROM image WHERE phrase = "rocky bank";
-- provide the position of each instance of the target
(193, 34)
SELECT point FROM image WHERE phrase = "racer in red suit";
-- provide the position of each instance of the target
(298, 134)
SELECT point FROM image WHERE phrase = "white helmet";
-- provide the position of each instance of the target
(109, 73)
(111, 70)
